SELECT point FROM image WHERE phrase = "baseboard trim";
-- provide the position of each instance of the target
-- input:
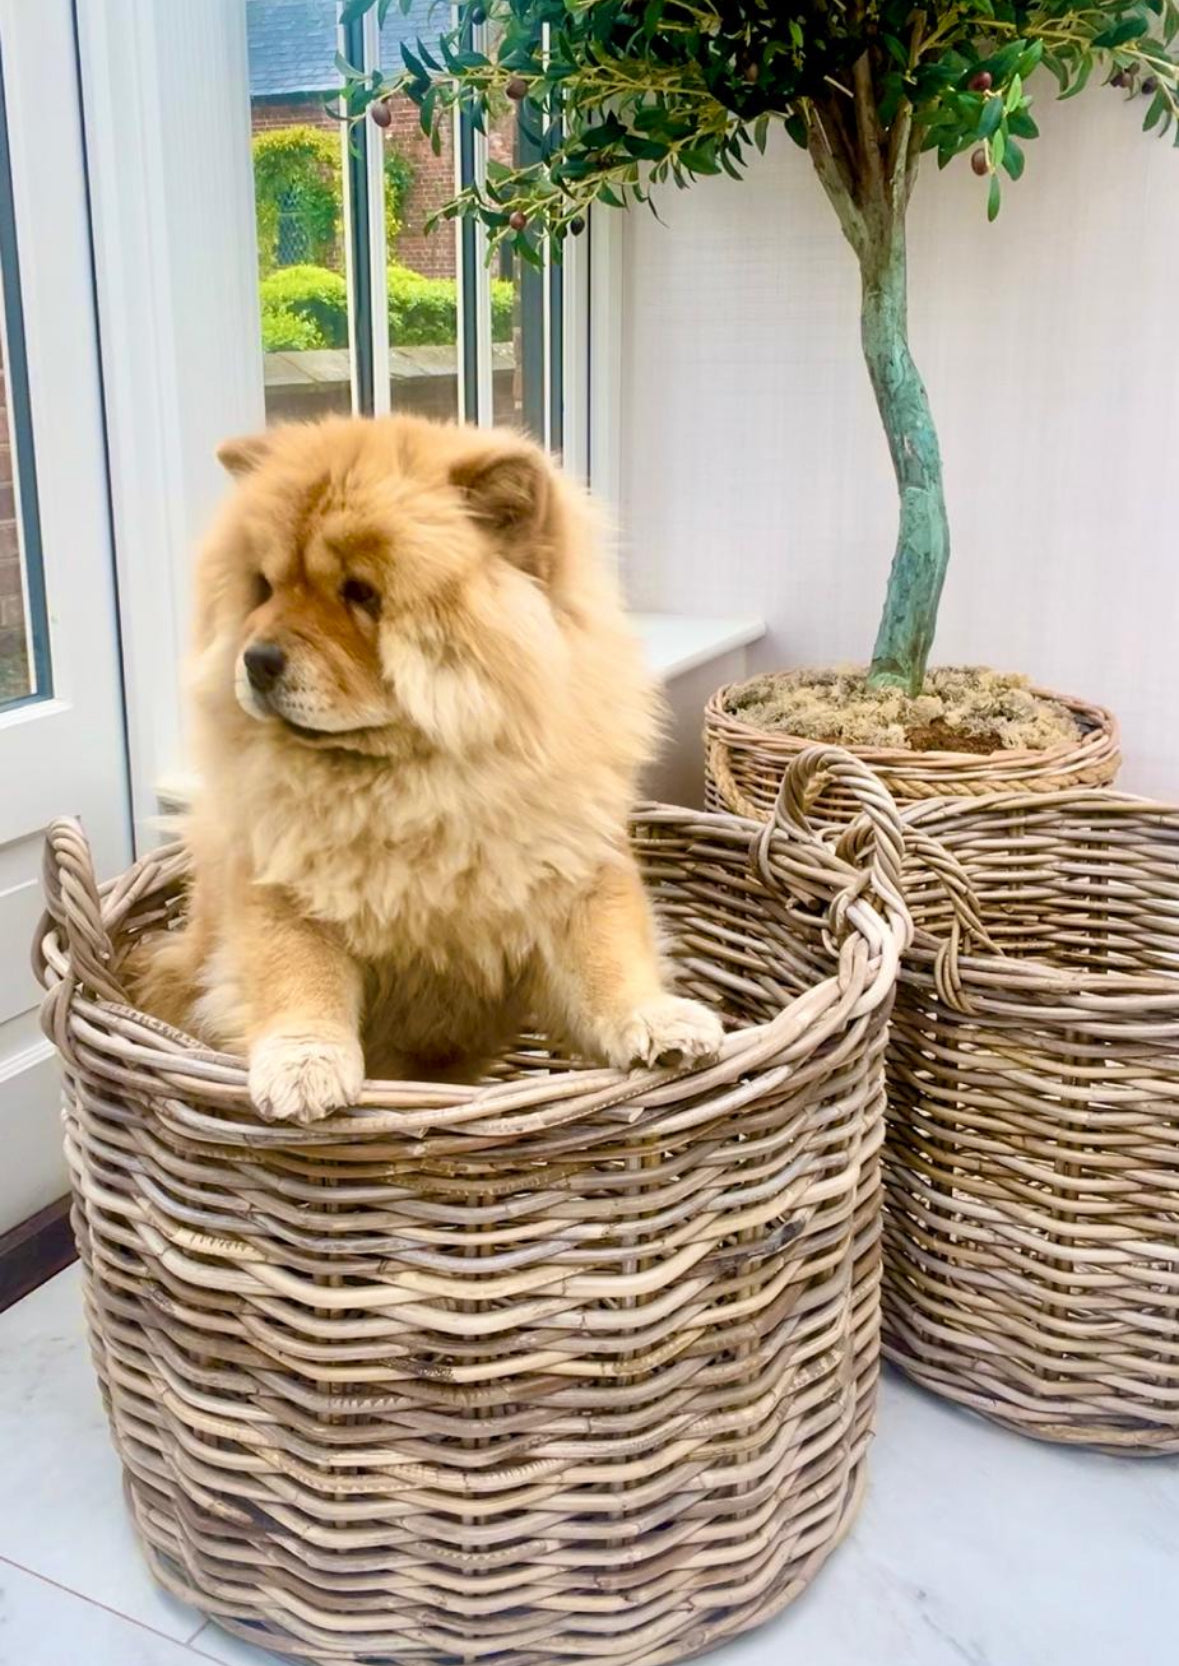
(35, 1250)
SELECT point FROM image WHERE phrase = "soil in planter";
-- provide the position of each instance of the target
(960, 709)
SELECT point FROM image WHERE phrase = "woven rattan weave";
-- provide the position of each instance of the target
(569, 1365)
(1032, 1232)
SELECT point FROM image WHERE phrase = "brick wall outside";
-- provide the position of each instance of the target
(433, 255)
(433, 176)
(13, 673)
(11, 605)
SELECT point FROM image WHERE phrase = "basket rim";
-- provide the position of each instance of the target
(1003, 979)
(867, 965)
(1102, 734)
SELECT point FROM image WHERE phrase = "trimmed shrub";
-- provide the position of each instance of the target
(314, 294)
(503, 300)
(423, 312)
(287, 331)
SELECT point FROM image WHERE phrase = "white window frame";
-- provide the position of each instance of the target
(378, 270)
(62, 744)
(176, 275)
(167, 117)
(167, 113)
(360, 45)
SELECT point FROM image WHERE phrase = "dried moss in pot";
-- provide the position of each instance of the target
(961, 709)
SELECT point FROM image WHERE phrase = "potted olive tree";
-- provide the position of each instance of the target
(628, 95)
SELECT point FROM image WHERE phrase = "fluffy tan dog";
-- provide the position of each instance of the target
(419, 716)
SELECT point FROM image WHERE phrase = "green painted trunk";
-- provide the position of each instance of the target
(915, 583)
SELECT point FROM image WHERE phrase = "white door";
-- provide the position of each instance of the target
(62, 748)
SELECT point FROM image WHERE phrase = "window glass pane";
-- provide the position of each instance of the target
(24, 635)
(423, 293)
(528, 362)
(16, 673)
(528, 359)
(512, 296)
(299, 207)
(525, 307)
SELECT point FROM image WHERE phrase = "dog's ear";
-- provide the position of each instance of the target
(507, 485)
(243, 455)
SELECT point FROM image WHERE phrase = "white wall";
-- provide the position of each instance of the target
(755, 475)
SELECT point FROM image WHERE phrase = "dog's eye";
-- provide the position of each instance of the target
(357, 593)
(262, 589)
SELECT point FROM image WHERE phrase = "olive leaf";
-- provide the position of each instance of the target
(626, 99)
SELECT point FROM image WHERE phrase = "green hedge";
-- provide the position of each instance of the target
(313, 293)
(422, 311)
(286, 331)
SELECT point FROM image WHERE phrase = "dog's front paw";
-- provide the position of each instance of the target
(667, 1030)
(299, 1078)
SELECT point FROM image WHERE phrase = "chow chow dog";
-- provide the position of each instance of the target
(418, 717)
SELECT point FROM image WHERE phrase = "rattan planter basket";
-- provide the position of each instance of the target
(744, 764)
(572, 1365)
(1032, 1224)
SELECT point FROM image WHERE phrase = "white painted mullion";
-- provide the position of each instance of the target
(483, 365)
(378, 248)
(547, 326)
(575, 338)
(349, 244)
(547, 299)
(605, 355)
(483, 343)
(459, 278)
(485, 404)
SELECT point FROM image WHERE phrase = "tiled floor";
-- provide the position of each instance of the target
(975, 1547)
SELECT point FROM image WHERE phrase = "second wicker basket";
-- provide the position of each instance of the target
(1032, 1230)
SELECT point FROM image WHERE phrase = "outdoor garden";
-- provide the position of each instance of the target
(302, 286)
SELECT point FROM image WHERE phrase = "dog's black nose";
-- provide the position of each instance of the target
(265, 664)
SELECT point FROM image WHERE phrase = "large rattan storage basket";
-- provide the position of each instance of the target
(1032, 1174)
(744, 764)
(572, 1365)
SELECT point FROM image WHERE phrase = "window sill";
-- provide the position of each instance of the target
(675, 644)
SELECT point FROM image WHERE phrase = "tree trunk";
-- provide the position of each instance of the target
(868, 174)
(923, 541)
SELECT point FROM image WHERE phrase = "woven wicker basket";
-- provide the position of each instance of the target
(570, 1365)
(1032, 1174)
(744, 764)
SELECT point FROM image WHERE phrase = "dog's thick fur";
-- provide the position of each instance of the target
(413, 832)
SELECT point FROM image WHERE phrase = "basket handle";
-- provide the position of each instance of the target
(72, 901)
(966, 925)
(873, 845)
